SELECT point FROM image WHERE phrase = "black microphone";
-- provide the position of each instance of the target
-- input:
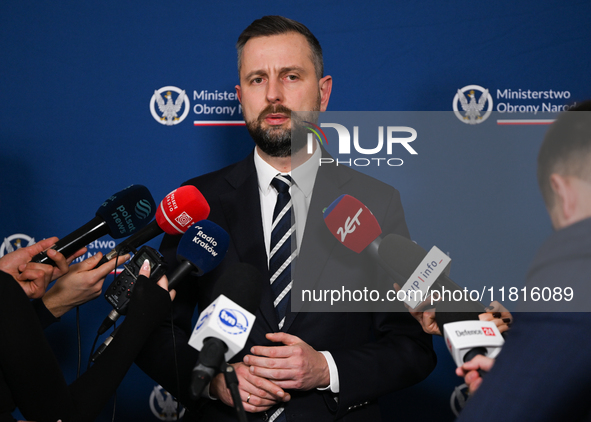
(223, 327)
(121, 215)
(404, 256)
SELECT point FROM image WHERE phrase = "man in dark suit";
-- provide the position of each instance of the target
(544, 372)
(295, 366)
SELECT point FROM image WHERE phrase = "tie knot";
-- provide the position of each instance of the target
(282, 182)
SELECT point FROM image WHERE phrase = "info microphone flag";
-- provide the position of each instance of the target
(120, 215)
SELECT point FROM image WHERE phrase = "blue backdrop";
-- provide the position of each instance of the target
(77, 79)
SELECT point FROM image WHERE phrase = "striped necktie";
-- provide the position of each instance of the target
(282, 255)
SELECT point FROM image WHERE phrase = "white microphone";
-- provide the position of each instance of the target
(224, 326)
(466, 339)
(225, 320)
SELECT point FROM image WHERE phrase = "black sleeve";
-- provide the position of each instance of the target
(166, 357)
(148, 307)
(46, 318)
(27, 362)
(32, 373)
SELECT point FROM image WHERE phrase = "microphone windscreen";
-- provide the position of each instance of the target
(180, 209)
(127, 211)
(401, 254)
(241, 283)
(351, 222)
(204, 245)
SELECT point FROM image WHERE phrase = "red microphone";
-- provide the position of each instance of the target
(355, 226)
(178, 211)
(352, 223)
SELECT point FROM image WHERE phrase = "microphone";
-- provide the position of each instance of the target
(201, 249)
(224, 326)
(344, 216)
(356, 228)
(423, 270)
(121, 215)
(180, 209)
(466, 339)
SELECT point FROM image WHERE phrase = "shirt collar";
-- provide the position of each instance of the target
(303, 176)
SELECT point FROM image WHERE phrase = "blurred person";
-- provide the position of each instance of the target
(30, 377)
(543, 372)
(75, 285)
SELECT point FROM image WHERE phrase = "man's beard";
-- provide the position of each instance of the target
(277, 141)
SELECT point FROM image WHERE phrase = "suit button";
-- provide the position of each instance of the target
(265, 416)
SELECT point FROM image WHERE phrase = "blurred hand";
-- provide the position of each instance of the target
(499, 315)
(469, 371)
(163, 282)
(424, 314)
(82, 284)
(34, 277)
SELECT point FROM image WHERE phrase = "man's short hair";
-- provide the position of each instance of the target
(566, 149)
(277, 25)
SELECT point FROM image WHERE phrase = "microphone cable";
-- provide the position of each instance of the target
(176, 365)
(79, 341)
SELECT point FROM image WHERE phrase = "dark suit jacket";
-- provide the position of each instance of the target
(375, 353)
(543, 372)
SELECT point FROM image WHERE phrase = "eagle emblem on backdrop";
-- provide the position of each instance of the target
(14, 242)
(172, 109)
(164, 406)
(473, 107)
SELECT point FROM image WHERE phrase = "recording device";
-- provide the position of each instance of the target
(201, 249)
(355, 226)
(119, 292)
(223, 327)
(180, 209)
(121, 289)
(121, 215)
(466, 339)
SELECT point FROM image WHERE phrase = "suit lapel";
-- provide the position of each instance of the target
(242, 211)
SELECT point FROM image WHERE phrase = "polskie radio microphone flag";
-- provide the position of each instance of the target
(178, 211)
(201, 249)
(121, 215)
(224, 326)
(423, 270)
(355, 226)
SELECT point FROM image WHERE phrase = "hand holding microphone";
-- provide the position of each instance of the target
(472, 370)
(35, 277)
(121, 215)
(81, 284)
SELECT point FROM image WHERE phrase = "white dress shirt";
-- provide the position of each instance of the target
(303, 179)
